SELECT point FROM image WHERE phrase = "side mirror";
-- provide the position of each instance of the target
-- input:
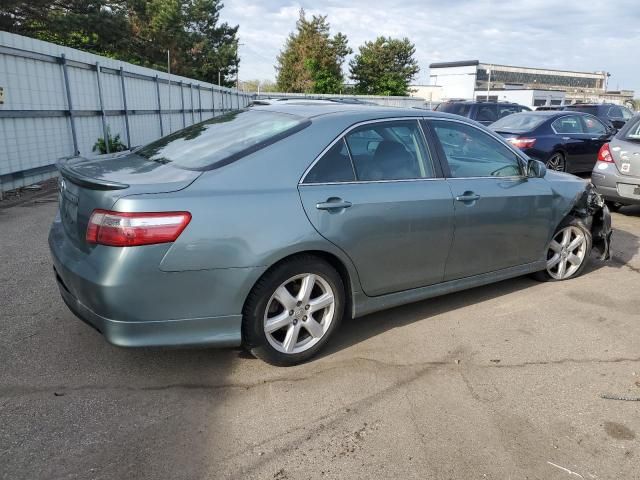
(536, 169)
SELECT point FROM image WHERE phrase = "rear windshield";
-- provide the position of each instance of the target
(222, 140)
(518, 123)
(455, 108)
(633, 131)
(592, 109)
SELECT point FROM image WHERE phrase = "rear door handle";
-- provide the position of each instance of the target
(467, 197)
(333, 204)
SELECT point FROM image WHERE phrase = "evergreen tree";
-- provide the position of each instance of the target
(311, 61)
(385, 66)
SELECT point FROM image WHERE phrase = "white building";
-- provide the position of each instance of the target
(471, 79)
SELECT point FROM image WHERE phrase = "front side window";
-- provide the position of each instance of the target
(393, 150)
(222, 139)
(568, 124)
(593, 126)
(461, 109)
(614, 112)
(471, 152)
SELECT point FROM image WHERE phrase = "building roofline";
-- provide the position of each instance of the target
(462, 63)
(469, 63)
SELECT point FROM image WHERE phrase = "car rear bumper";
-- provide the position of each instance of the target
(221, 331)
(123, 294)
(613, 186)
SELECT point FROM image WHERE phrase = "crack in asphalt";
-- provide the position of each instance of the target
(17, 390)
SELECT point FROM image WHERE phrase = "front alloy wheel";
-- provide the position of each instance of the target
(567, 252)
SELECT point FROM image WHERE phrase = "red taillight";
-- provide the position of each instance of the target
(119, 229)
(522, 142)
(604, 155)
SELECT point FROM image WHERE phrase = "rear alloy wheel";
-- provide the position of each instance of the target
(568, 252)
(293, 310)
(557, 162)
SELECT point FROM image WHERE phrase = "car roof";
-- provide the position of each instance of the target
(313, 109)
(550, 113)
(480, 102)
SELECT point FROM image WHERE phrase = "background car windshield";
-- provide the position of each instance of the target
(455, 108)
(518, 123)
(634, 132)
(222, 139)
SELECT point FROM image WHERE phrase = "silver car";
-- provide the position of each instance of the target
(265, 227)
(616, 174)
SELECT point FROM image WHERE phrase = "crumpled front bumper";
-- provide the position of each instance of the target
(592, 209)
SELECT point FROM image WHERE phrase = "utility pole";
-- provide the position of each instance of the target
(237, 67)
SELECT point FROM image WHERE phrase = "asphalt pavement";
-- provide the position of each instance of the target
(498, 382)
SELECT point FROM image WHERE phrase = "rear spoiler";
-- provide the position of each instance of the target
(74, 176)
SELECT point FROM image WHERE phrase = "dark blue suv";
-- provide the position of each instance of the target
(483, 112)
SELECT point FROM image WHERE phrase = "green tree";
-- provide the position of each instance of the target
(311, 60)
(385, 66)
(136, 31)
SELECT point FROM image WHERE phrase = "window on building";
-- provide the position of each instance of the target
(539, 102)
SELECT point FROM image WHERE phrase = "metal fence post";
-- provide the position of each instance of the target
(159, 107)
(213, 103)
(63, 61)
(126, 111)
(193, 112)
(105, 128)
(184, 117)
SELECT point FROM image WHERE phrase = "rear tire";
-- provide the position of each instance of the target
(568, 252)
(557, 162)
(293, 310)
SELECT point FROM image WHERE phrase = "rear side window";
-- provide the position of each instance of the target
(504, 110)
(614, 112)
(633, 131)
(393, 150)
(334, 166)
(487, 113)
(568, 124)
(471, 152)
(222, 140)
(379, 151)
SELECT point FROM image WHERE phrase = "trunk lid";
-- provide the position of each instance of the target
(626, 155)
(86, 185)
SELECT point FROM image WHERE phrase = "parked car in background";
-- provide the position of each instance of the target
(563, 141)
(617, 115)
(550, 107)
(483, 112)
(616, 175)
(264, 227)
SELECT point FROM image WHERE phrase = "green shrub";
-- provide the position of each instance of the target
(115, 144)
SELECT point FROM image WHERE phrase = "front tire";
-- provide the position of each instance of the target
(568, 252)
(293, 310)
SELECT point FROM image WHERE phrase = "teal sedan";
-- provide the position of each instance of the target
(264, 228)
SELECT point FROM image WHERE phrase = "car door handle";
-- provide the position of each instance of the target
(467, 197)
(333, 204)
(566, 138)
(595, 138)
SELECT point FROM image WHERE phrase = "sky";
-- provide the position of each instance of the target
(587, 35)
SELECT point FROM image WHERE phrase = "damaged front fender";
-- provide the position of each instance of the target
(592, 210)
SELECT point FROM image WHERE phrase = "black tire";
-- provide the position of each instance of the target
(545, 275)
(614, 206)
(557, 162)
(254, 336)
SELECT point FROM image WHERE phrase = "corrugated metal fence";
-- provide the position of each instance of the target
(57, 101)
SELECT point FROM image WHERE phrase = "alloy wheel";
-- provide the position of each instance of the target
(556, 162)
(299, 313)
(567, 252)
